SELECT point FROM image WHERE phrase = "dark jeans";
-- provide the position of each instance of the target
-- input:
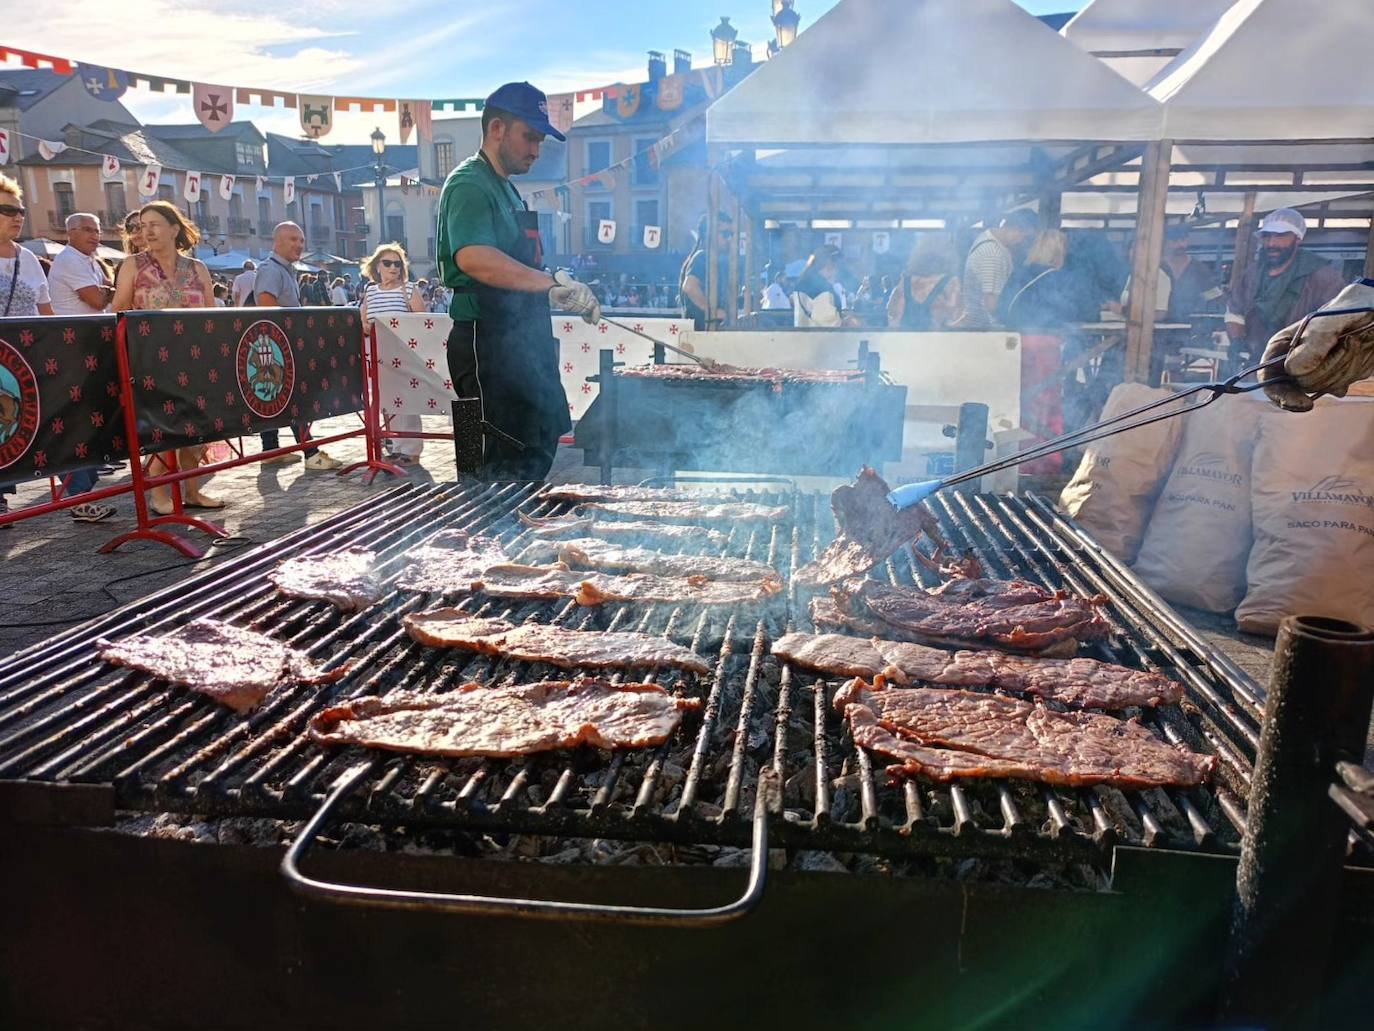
(81, 481)
(270, 439)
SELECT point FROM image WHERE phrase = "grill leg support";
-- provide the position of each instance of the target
(1289, 880)
(970, 441)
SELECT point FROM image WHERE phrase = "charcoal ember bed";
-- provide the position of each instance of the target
(66, 716)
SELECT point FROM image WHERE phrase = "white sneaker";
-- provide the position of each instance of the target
(319, 462)
(287, 459)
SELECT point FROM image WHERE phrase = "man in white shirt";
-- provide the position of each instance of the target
(243, 284)
(77, 281)
(78, 286)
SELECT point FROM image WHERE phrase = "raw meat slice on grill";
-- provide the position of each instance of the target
(946, 735)
(501, 722)
(451, 562)
(693, 511)
(536, 642)
(871, 529)
(590, 553)
(345, 579)
(1084, 683)
(588, 588)
(578, 493)
(234, 666)
(1011, 614)
(550, 527)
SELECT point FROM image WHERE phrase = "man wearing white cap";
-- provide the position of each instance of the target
(1285, 284)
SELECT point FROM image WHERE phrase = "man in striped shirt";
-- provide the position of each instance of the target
(989, 265)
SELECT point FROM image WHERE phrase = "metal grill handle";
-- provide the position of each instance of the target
(538, 909)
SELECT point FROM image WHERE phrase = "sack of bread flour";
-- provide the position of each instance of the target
(1312, 497)
(1119, 477)
(1198, 537)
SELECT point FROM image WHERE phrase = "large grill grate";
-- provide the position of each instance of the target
(67, 717)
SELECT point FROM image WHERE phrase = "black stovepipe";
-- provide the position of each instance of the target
(1288, 884)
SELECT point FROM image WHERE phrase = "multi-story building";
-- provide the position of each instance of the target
(39, 104)
(238, 149)
(669, 193)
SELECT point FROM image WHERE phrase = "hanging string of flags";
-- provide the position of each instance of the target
(214, 105)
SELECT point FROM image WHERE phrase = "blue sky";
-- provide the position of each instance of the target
(424, 48)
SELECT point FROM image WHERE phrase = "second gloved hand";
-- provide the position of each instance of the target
(567, 294)
(1333, 352)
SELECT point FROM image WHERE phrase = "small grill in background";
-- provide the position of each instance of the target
(819, 426)
(763, 765)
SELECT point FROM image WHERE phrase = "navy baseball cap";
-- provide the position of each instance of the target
(526, 103)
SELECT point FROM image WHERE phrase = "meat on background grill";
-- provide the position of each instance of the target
(346, 578)
(452, 562)
(557, 646)
(234, 666)
(591, 588)
(579, 493)
(501, 722)
(1080, 682)
(692, 511)
(949, 734)
(553, 527)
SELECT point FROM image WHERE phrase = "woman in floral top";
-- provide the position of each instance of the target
(162, 276)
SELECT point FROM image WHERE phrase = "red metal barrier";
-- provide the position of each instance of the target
(372, 418)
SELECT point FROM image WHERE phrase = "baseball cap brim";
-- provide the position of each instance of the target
(542, 124)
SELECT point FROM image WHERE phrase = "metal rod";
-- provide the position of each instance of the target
(704, 362)
(1288, 885)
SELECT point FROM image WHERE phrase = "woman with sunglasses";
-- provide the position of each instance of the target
(132, 233)
(389, 290)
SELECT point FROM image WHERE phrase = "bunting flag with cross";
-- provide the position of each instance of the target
(107, 84)
(214, 105)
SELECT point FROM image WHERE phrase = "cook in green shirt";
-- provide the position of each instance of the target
(476, 207)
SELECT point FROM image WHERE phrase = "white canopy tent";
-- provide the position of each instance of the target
(872, 72)
(1138, 38)
(1274, 71)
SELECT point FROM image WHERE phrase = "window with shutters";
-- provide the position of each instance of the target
(66, 199)
(264, 216)
(116, 207)
(646, 214)
(598, 158)
(443, 158)
(646, 170)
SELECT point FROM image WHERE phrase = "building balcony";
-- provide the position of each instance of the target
(591, 242)
(265, 229)
(321, 233)
(209, 225)
(240, 226)
(113, 218)
(58, 219)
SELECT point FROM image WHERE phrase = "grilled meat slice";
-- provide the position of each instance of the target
(692, 511)
(871, 529)
(579, 493)
(451, 562)
(946, 735)
(549, 582)
(1010, 614)
(501, 722)
(535, 642)
(344, 578)
(550, 527)
(234, 666)
(1083, 683)
(590, 553)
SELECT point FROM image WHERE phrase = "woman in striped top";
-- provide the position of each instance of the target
(389, 290)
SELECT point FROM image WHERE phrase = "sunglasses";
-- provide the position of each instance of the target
(11, 210)
(389, 263)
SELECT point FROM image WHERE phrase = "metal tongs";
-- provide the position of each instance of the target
(914, 493)
(705, 363)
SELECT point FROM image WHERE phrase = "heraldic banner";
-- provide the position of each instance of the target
(59, 396)
(203, 375)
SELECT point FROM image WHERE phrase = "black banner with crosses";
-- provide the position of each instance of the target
(205, 374)
(59, 396)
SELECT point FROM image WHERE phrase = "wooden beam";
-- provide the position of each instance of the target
(713, 286)
(732, 276)
(1145, 259)
(1245, 232)
(755, 238)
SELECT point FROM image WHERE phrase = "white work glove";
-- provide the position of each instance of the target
(567, 294)
(1332, 353)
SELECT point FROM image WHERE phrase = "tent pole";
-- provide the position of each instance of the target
(732, 295)
(712, 244)
(751, 276)
(1245, 233)
(1145, 258)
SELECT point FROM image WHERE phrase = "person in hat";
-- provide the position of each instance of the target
(1282, 286)
(501, 348)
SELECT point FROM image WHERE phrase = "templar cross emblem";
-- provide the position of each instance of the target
(215, 108)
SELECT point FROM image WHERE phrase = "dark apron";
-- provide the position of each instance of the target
(509, 360)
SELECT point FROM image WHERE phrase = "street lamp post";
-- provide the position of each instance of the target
(723, 41)
(785, 22)
(379, 149)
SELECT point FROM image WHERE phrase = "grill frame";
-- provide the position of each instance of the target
(747, 689)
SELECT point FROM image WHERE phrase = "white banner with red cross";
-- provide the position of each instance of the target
(412, 358)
